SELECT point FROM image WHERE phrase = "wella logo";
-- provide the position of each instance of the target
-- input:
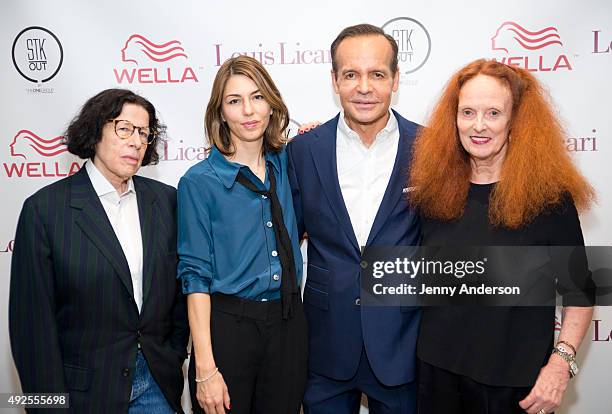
(166, 61)
(526, 48)
(26, 144)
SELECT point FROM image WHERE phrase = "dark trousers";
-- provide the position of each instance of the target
(327, 396)
(443, 392)
(262, 357)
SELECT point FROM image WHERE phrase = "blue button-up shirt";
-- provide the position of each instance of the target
(226, 238)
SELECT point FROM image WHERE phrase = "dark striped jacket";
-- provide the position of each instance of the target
(74, 325)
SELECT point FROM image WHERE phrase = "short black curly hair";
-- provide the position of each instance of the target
(85, 130)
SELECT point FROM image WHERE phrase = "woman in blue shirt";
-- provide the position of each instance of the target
(239, 255)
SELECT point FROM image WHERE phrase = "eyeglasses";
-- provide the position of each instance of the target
(125, 129)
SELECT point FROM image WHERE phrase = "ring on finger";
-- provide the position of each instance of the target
(542, 411)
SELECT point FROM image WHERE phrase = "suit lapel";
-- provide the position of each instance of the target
(93, 221)
(146, 203)
(397, 182)
(323, 151)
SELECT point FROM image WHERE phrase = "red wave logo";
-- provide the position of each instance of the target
(138, 45)
(510, 32)
(26, 140)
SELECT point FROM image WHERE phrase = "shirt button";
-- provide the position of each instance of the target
(138, 334)
(274, 253)
(125, 372)
(276, 277)
(363, 264)
(358, 301)
(269, 224)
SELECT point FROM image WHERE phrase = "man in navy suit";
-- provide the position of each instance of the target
(348, 178)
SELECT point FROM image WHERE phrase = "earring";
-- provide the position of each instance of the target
(271, 112)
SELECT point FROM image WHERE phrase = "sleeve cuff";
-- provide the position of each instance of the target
(195, 285)
(580, 299)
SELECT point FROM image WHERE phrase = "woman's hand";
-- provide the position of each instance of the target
(212, 395)
(549, 388)
(211, 392)
(308, 126)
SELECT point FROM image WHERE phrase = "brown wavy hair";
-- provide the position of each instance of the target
(536, 173)
(218, 132)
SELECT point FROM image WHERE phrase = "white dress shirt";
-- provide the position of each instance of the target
(364, 173)
(122, 212)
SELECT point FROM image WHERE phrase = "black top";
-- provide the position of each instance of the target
(497, 346)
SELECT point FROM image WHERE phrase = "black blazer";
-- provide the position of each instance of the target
(74, 325)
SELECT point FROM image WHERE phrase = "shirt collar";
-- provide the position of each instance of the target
(389, 129)
(101, 185)
(227, 170)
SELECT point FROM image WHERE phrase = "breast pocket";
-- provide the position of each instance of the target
(316, 288)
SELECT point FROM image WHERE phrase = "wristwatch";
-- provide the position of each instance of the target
(569, 358)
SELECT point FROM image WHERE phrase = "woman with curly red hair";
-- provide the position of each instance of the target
(492, 169)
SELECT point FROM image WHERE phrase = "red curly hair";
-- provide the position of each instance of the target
(536, 173)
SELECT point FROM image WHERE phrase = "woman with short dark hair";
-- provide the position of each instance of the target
(95, 309)
(85, 130)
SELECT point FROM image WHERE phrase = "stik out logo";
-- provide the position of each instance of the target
(413, 42)
(536, 51)
(26, 146)
(149, 62)
(37, 57)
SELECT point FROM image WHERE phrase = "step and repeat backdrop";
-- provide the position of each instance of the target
(55, 55)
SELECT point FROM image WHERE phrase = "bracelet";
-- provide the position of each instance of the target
(569, 345)
(209, 376)
(570, 359)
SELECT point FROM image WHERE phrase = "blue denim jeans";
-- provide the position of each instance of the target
(146, 397)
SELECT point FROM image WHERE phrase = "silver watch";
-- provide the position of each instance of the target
(569, 358)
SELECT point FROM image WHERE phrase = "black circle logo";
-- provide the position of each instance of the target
(37, 54)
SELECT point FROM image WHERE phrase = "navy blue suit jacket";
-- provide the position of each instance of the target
(73, 322)
(339, 327)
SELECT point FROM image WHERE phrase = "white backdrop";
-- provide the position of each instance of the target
(170, 51)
